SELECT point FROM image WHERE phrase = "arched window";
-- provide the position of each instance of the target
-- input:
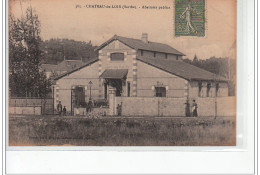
(117, 56)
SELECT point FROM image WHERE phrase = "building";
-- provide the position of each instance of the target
(136, 68)
(62, 67)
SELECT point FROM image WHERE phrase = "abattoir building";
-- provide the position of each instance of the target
(136, 68)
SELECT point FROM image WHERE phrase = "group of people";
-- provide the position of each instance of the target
(61, 110)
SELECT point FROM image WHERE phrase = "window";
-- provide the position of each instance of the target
(154, 54)
(177, 58)
(208, 89)
(142, 53)
(128, 89)
(200, 88)
(117, 56)
(166, 56)
(217, 88)
(160, 91)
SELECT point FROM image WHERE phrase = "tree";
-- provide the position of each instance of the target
(220, 66)
(56, 50)
(24, 57)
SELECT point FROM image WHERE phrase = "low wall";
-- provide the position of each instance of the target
(221, 106)
(146, 106)
(82, 111)
(26, 110)
(140, 106)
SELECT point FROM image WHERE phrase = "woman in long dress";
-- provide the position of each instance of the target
(187, 15)
(194, 109)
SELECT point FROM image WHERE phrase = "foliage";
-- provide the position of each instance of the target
(221, 66)
(56, 50)
(24, 57)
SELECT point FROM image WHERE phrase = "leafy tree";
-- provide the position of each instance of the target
(220, 66)
(56, 50)
(24, 57)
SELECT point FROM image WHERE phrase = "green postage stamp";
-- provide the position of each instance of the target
(190, 18)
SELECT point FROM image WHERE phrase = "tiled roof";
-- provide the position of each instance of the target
(182, 69)
(139, 44)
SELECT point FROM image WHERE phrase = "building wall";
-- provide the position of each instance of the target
(128, 63)
(175, 107)
(194, 89)
(148, 77)
(81, 78)
(150, 54)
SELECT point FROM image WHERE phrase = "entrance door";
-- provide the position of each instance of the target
(117, 84)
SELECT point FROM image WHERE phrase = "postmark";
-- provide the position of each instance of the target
(190, 18)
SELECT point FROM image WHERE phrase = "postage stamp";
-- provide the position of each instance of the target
(190, 18)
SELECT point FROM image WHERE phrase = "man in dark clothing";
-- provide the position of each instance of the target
(89, 106)
(59, 108)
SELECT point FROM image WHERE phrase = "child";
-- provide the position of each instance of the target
(64, 110)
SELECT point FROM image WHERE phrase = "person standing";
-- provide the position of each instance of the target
(59, 108)
(64, 111)
(194, 109)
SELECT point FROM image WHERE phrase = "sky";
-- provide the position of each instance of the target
(61, 19)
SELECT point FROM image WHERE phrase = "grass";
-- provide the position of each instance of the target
(115, 131)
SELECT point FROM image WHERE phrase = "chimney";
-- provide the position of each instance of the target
(145, 37)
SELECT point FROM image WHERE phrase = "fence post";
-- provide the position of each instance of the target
(41, 107)
(15, 107)
(112, 92)
(53, 100)
(34, 108)
(158, 107)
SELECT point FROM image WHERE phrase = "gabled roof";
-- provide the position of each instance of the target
(89, 62)
(182, 69)
(140, 45)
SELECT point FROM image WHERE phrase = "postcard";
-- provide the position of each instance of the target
(122, 73)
